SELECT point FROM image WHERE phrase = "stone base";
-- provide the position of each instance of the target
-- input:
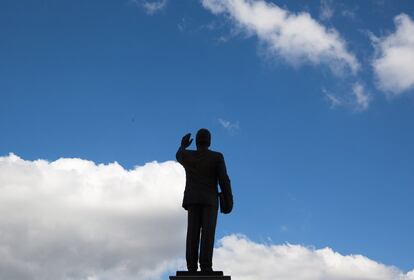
(199, 275)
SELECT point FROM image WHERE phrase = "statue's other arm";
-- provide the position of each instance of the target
(224, 182)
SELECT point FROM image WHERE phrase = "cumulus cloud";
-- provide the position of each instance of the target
(297, 38)
(152, 6)
(247, 260)
(74, 219)
(393, 63)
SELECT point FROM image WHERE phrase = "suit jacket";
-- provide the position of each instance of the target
(204, 169)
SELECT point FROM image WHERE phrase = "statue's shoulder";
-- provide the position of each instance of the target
(216, 154)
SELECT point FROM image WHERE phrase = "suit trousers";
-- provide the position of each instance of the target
(202, 221)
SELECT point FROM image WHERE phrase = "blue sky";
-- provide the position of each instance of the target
(310, 163)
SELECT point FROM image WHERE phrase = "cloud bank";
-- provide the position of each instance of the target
(297, 38)
(393, 64)
(74, 219)
(247, 260)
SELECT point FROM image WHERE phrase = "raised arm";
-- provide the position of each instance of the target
(185, 143)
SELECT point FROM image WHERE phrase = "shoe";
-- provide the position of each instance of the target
(206, 270)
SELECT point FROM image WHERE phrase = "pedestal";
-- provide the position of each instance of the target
(185, 275)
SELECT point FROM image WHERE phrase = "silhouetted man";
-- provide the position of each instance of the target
(204, 169)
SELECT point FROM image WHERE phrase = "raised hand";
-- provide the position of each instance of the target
(186, 141)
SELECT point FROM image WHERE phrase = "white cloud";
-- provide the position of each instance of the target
(247, 260)
(297, 38)
(349, 13)
(74, 219)
(362, 98)
(393, 64)
(228, 125)
(356, 98)
(152, 6)
(182, 25)
(334, 100)
(326, 10)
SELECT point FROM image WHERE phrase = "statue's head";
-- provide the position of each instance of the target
(203, 138)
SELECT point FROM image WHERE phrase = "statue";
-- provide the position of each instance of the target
(204, 169)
